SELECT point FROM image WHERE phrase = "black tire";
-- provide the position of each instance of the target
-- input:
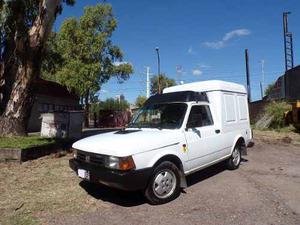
(235, 159)
(162, 170)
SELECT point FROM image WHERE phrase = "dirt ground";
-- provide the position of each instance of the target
(264, 190)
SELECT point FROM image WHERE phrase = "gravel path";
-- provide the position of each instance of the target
(264, 190)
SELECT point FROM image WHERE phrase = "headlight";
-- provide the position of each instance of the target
(112, 162)
(75, 153)
(120, 163)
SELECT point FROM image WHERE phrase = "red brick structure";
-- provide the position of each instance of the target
(110, 118)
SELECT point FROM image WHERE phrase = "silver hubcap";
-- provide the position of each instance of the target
(164, 184)
(236, 156)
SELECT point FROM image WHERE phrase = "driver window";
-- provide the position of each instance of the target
(200, 116)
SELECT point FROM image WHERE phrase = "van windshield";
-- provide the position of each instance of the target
(161, 116)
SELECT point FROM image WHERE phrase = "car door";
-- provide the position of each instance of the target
(201, 136)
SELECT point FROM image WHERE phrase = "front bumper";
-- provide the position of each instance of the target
(126, 180)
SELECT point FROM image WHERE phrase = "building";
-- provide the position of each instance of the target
(278, 92)
(50, 97)
(292, 92)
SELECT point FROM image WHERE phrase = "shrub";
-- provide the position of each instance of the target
(114, 104)
(140, 101)
(269, 89)
(276, 110)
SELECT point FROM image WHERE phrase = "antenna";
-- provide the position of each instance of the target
(288, 43)
(148, 82)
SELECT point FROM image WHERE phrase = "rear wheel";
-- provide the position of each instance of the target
(235, 159)
(164, 184)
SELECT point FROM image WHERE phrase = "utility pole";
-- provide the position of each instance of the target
(158, 70)
(148, 82)
(262, 77)
(248, 75)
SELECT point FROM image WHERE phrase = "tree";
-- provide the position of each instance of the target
(164, 82)
(114, 104)
(24, 30)
(89, 57)
(140, 101)
(269, 89)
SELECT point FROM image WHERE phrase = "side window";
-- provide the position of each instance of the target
(230, 103)
(242, 100)
(200, 116)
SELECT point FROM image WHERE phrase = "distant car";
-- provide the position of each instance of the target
(185, 129)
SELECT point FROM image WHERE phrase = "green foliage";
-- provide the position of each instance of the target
(53, 60)
(25, 142)
(88, 57)
(140, 100)
(164, 82)
(276, 111)
(269, 89)
(114, 104)
(18, 17)
(109, 104)
(95, 107)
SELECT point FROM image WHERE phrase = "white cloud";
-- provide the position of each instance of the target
(236, 33)
(204, 66)
(197, 72)
(191, 51)
(226, 38)
(103, 91)
(118, 63)
(215, 45)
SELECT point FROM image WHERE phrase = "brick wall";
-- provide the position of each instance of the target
(256, 109)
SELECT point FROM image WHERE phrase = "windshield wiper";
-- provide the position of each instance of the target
(134, 125)
(157, 127)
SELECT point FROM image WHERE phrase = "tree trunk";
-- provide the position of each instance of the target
(25, 69)
(13, 122)
(86, 110)
(9, 65)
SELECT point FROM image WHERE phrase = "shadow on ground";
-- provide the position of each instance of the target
(130, 199)
(115, 196)
(204, 174)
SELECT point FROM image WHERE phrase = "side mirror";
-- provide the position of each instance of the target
(188, 126)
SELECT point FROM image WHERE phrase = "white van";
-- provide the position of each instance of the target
(185, 129)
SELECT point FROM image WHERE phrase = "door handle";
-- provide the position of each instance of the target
(217, 131)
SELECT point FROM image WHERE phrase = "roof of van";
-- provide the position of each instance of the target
(205, 86)
(178, 96)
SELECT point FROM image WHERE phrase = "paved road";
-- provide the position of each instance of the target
(264, 190)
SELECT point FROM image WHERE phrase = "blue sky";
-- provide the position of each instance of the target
(205, 38)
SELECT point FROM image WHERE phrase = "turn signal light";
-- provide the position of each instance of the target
(126, 163)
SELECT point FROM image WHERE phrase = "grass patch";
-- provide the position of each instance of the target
(36, 191)
(25, 142)
(278, 136)
(20, 218)
(286, 129)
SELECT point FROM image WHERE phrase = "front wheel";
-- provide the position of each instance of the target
(164, 184)
(235, 159)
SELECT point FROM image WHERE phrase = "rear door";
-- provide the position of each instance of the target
(201, 136)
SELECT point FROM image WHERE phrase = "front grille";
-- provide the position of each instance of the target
(89, 157)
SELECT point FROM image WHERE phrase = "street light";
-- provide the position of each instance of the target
(158, 69)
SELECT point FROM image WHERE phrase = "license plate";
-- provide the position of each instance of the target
(84, 174)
